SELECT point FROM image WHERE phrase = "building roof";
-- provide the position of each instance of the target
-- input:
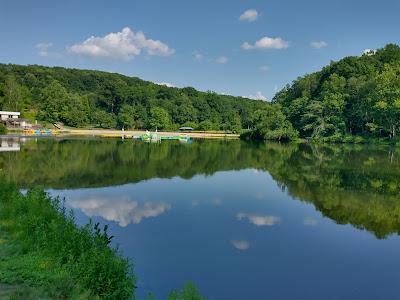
(186, 128)
(10, 113)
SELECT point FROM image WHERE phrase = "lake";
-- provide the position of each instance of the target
(241, 220)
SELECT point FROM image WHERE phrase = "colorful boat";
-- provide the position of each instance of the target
(39, 132)
(154, 137)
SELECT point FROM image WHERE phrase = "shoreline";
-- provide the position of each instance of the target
(133, 133)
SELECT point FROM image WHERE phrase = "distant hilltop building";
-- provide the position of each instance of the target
(369, 52)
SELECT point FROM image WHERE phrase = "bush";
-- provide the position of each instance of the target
(50, 240)
(3, 129)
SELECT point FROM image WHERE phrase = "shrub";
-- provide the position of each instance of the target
(3, 129)
(42, 227)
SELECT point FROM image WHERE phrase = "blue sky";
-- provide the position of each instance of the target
(205, 44)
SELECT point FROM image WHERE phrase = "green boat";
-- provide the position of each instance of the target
(154, 137)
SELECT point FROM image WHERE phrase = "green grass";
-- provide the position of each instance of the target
(44, 254)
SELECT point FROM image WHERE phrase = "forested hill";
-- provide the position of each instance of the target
(356, 96)
(82, 97)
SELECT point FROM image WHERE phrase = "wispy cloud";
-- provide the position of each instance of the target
(263, 68)
(318, 44)
(267, 43)
(259, 220)
(125, 45)
(249, 15)
(197, 55)
(241, 245)
(222, 60)
(43, 49)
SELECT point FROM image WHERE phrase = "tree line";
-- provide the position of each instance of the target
(81, 98)
(355, 98)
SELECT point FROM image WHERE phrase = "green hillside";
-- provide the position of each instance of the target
(108, 100)
(356, 96)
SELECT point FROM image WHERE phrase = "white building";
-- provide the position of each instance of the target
(5, 115)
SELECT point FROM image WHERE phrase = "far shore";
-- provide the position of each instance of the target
(136, 133)
(133, 133)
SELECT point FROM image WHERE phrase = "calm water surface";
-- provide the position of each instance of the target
(241, 220)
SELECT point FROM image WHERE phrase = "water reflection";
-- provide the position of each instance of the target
(122, 211)
(241, 245)
(242, 220)
(10, 144)
(352, 184)
(308, 221)
(259, 220)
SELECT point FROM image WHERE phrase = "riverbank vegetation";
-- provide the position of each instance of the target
(44, 254)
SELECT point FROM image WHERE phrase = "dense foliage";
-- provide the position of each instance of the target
(82, 97)
(270, 123)
(47, 249)
(356, 96)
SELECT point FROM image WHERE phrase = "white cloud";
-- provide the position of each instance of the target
(258, 220)
(197, 55)
(266, 43)
(222, 60)
(258, 96)
(263, 68)
(308, 221)
(249, 15)
(241, 245)
(123, 211)
(120, 45)
(44, 49)
(318, 44)
(167, 84)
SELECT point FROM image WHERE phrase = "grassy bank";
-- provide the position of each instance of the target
(44, 254)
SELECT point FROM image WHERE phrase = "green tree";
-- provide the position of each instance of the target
(159, 118)
(387, 107)
(271, 124)
(126, 117)
(13, 94)
(206, 125)
(54, 101)
(104, 119)
(76, 113)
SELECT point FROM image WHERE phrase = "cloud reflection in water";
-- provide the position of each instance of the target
(241, 245)
(123, 211)
(259, 220)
